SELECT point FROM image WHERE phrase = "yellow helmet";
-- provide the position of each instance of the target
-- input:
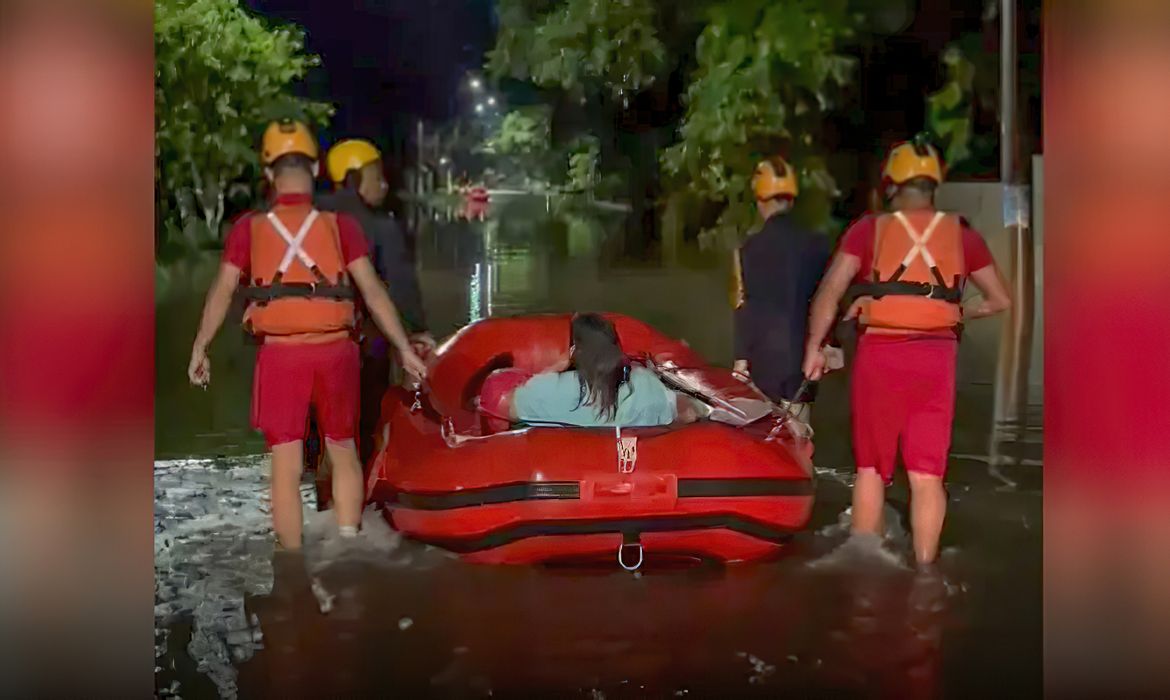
(774, 178)
(284, 137)
(351, 154)
(913, 159)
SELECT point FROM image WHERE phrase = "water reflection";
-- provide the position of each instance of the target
(524, 632)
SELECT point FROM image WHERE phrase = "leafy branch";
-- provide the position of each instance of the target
(221, 74)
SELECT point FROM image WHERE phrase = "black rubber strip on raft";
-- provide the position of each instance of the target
(630, 527)
(571, 490)
(508, 493)
(721, 488)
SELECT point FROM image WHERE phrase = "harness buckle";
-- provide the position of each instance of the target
(943, 293)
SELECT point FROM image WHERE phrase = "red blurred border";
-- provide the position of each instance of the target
(76, 347)
(1107, 361)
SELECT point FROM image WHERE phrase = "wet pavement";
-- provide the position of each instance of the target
(386, 616)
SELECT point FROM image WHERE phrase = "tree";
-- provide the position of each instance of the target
(592, 58)
(575, 44)
(522, 132)
(768, 73)
(521, 142)
(220, 75)
(963, 115)
(950, 113)
(582, 175)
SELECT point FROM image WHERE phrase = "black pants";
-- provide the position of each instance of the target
(377, 373)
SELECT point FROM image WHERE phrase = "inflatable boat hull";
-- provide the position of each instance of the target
(705, 490)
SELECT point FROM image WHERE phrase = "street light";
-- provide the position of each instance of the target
(479, 108)
(476, 84)
(443, 160)
(492, 101)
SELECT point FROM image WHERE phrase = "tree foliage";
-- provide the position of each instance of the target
(582, 175)
(519, 145)
(768, 74)
(220, 75)
(950, 110)
(577, 44)
(763, 77)
(969, 100)
(521, 132)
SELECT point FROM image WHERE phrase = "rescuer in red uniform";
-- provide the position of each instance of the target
(907, 271)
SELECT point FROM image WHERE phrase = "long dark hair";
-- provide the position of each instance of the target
(601, 365)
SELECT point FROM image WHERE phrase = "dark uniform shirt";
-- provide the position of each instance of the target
(392, 259)
(389, 252)
(781, 267)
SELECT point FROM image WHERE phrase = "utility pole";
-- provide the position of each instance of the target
(1011, 385)
(418, 168)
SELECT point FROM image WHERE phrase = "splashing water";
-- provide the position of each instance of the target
(212, 547)
(761, 669)
(895, 532)
(862, 551)
(843, 475)
(375, 542)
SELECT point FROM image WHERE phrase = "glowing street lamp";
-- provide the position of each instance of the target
(491, 101)
(476, 84)
(479, 108)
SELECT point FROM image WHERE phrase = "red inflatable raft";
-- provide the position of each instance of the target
(708, 490)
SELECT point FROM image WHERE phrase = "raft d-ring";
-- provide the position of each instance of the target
(622, 559)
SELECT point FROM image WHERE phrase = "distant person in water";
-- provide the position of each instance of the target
(601, 389)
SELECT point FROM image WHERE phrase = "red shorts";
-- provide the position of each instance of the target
(903, 389)
(290, 377)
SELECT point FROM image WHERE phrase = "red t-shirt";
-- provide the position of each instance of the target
(237, 249)
(858, 240)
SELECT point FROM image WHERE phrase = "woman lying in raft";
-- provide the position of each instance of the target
(602, 390)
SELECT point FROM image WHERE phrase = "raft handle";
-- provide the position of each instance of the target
(621, 555)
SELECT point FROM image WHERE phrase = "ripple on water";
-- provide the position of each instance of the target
(212, 547)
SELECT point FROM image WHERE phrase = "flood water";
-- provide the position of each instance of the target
(411, 621)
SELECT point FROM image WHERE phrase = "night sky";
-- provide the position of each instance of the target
(388, 62)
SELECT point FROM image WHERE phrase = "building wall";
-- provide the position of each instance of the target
(982, 204)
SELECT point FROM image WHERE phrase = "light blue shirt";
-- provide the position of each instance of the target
(553, 397)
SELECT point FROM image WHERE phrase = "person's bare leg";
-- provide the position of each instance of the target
(287, 514)
(928, 509)
(348, 489)
(869, 499)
